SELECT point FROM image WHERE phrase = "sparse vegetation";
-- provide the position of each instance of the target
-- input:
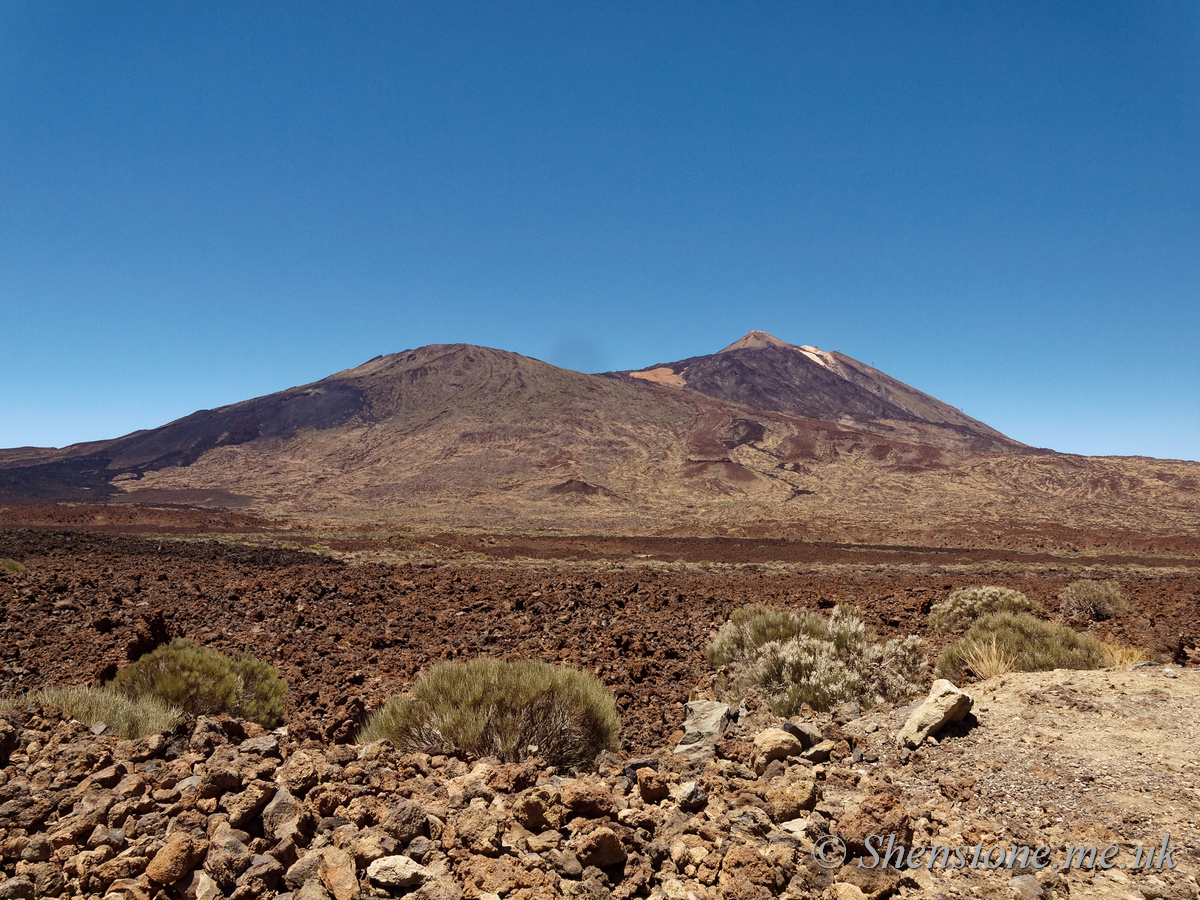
(965, 606)
(13, 566)
(204, 681)
(1031, 645)
(128, 717)
(1122, 656)
(1092, 601)
(510, 710)
(801, 657)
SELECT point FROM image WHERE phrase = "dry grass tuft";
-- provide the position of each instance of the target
(987, 659)
(968, 605)
(203, 681)
(128, 717)
(1122, 656)
(800, 657)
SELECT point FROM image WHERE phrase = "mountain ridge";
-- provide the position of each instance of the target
(466, 436)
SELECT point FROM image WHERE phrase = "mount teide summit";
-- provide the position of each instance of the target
(763, 372)
(762, 437)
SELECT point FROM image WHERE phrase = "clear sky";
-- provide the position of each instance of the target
(997, 203)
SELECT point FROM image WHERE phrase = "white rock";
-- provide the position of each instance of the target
(396, 871)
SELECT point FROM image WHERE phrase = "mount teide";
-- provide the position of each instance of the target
(762, 372)
(763, 437)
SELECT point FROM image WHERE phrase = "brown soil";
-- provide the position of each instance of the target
(355, 618)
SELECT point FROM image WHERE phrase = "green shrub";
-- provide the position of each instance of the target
(798, 657)
(750, 627)
(261, 691)
(13, 566)
(1028, 643)
(204, 681)
(510, 710)
(129, 718)
(1092, 600)
(963, 607)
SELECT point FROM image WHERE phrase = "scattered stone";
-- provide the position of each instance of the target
(600, 848)
(773, 744)
(478, 830)
(338, 873)
(179, 856)
(880, 813)
(651, 786)
(1025, 887)
(793, 794)
(691, 797)
(819, 752)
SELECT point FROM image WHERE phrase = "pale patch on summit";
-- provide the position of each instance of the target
(819, 356)
(661, 375)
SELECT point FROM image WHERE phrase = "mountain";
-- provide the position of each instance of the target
(763, 437)
(763, 372)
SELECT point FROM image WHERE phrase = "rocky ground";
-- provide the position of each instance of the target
(221, 809)
(1061, 758)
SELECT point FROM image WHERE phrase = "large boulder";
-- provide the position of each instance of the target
(705, 722)
(945, 704)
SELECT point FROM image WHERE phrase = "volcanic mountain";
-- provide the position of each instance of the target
(763, 372)
(762, 437)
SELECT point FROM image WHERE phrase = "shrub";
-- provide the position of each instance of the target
(799, 657)
(261, 691)
(1031, 644)
(510, 710)
(963, 607)
(204, 681)
(13, 566)
(1092, 600)
(129, 718)
(750, 627)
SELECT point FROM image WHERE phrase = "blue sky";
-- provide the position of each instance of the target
(998, 203)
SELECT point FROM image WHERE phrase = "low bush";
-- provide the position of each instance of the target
(129, 718)
(12, 565)
(1092, 600)
(963, 607)
(801, 657)
(1027, 643)
(750, 627)
(204, 681)
(510, 710)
